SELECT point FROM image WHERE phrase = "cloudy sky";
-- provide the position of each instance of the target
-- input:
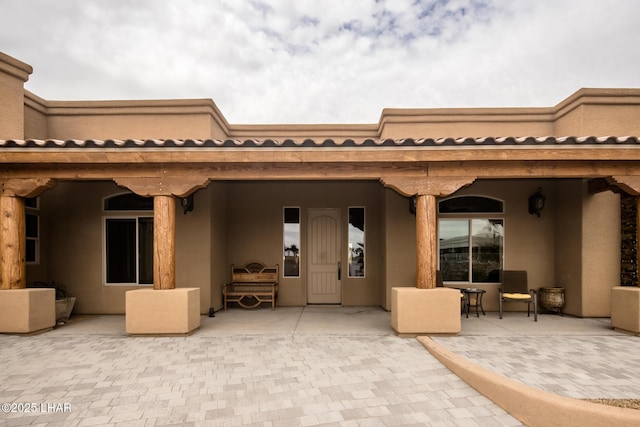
(324, 61)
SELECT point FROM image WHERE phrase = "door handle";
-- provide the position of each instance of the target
(339, 270)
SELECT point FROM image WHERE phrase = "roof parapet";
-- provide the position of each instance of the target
(14, 67)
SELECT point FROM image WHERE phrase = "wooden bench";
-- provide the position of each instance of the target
(252, 285)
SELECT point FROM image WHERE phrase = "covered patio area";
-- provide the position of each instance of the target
(353, 321)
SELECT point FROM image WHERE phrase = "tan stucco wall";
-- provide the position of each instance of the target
(456, 123)
(400, 244)
(587, 248)
(568, 242)
(135, 119)
(218, 261)
(35, 118)
(574, 244)
(130, 122)
(13, 74)
(254, 224)
(601, 112)
(231, 223)
(193, 248)
(601, 243)
(72, 246)
(529, 242)
(12, 123)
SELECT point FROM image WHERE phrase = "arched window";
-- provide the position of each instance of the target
(128, 240)
(471, 204)
(471, 239)
(128, 202)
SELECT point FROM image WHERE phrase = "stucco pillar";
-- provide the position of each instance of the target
(21, 310)
(165, 309)
(12, 243)
(164, 242)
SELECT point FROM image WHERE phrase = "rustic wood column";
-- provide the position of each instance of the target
(164, 190)
(426, 189)
(13, 267)
(426, 241)
(164, 242)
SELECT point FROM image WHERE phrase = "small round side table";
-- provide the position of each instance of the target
(478, 293)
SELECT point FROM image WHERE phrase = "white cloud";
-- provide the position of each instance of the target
(302, 61)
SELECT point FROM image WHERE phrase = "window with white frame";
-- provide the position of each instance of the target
(128, 237)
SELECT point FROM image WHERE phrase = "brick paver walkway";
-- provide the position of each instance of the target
(274, 379)
(583, 367)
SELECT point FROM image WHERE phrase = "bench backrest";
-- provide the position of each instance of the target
(254, 272)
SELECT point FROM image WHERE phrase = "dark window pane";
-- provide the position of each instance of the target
(292, 215)
(454, 250)
(145, 236)
(487, 237)
(31, 202)
(470, 204)
(128, 202)
(32, 225)
(31, 250)
(121, 250)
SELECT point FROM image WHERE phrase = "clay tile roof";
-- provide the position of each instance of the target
(320, 143)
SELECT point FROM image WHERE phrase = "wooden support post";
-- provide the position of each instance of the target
(426, 241)
(426, 189)
(12, 243)
(163, 191)
(164, 242)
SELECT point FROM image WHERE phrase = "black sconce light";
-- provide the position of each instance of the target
(536, 202)
(187, 203)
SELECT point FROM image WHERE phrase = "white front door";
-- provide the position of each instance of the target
(324, 238)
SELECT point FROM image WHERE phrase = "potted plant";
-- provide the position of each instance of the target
(64, 300)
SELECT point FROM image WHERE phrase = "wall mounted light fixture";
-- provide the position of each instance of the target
(187, 203)
(536, 203)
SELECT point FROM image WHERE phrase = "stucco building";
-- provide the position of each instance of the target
(348, 211)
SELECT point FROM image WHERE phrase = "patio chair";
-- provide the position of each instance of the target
(515, 288)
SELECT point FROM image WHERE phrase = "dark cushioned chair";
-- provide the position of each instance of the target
(515, 288)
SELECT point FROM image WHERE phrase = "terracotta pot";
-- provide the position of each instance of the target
(552, 299)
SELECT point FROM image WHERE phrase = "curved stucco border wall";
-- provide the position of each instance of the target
(531, 406)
